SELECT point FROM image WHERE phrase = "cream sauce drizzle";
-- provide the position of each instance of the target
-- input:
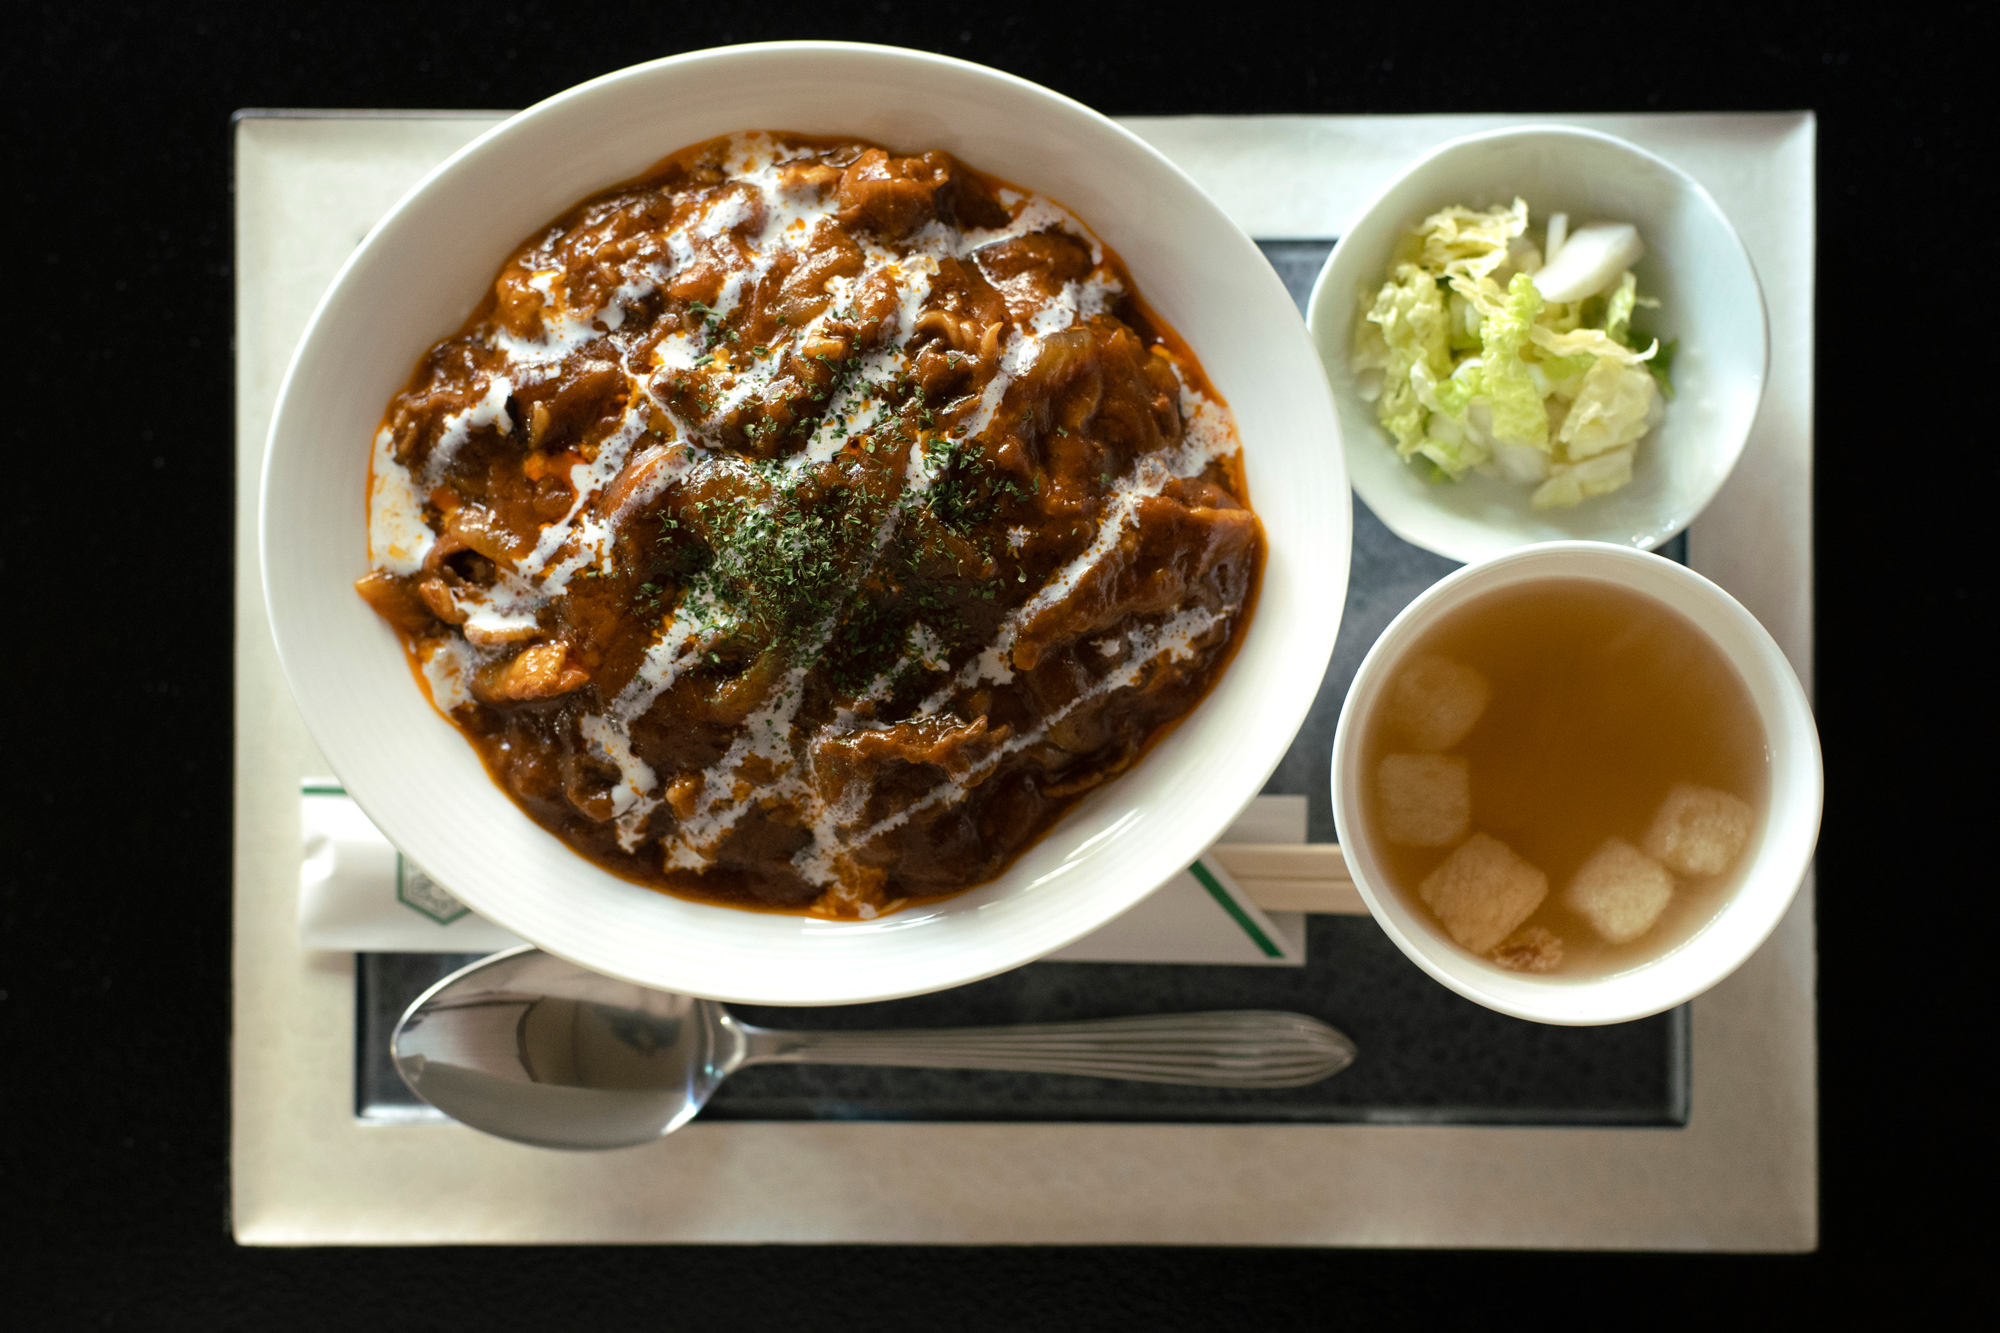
(398, 537)
(1173, 640)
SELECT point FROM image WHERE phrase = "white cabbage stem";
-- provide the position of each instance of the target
(1590, 260)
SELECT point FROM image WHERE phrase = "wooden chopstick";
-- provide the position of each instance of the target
(1281, 877)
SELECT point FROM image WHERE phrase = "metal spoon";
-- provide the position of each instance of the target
(534, 1049)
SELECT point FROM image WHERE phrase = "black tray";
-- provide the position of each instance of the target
(1426, 1055)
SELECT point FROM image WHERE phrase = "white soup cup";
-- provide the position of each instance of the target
(1778, 854)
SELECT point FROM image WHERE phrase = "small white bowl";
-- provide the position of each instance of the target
(1779, 854)
(423, 268)
(1694, 263)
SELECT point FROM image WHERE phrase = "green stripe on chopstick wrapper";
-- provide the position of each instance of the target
(1235, 910)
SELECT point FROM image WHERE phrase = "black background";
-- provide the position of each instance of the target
(114, 910)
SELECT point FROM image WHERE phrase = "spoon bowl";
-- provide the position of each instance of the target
(528, 1047)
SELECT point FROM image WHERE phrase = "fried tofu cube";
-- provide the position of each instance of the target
(1620, 891)
(1425, 799)
(1530, 949)
(1434, 701)
(1699, 830)
(1483, 891)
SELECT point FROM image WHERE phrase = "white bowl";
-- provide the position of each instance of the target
(1779, 854)
(418, 274)
(1694, 263)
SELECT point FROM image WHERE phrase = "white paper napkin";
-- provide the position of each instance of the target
(358, 894)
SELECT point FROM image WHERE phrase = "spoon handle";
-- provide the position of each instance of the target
(1244, 1048)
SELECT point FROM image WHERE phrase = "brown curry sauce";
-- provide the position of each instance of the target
(807, 528)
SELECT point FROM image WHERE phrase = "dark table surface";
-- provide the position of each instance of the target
(114, 897)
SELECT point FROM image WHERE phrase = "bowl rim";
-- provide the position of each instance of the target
(756, 984)
(1782, 856)
(1322, 293)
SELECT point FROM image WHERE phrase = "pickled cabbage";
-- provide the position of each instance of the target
(1407, 321)
(1478, 371)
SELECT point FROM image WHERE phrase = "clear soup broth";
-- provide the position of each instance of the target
(1566, 777)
